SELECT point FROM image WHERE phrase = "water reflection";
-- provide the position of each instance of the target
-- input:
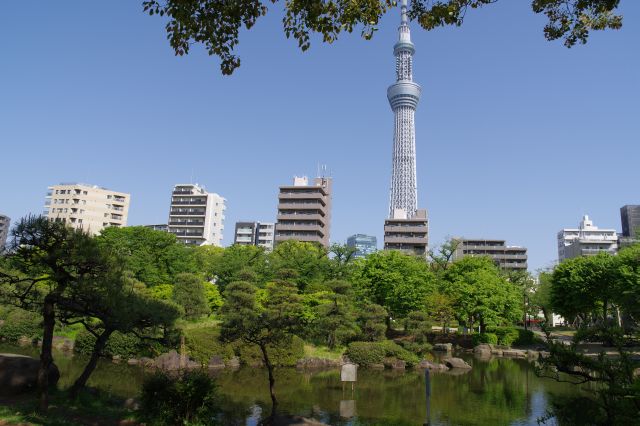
(494, 392)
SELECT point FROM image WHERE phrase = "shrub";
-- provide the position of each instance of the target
(280, 356)
(19, 323)
(507, 336)
(120, 344)
(486, 338)
(422, 350)
(365, 353)
(525, 337)
(190, 398)
(203, 343)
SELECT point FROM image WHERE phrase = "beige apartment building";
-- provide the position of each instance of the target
(196, 217)
(506, 257)
(410, 235)
(5, 223)
(88, 207)
(304, 211)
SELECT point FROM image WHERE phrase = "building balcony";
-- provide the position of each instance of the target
(300, 206)
(316, 197)
(405, 240)
(189, 202)
(299, 217)
(285, 227)
(184, 223)
(411, 228)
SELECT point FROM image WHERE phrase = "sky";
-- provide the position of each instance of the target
(517, 137)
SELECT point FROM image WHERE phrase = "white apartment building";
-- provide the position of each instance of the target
(5, 223)
(586, 240)
(255, 233)
(196, 217)
(87, 207)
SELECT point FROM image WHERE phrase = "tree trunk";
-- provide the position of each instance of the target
(272, 380)
(483, 326)
(81, 381)
(46, 357)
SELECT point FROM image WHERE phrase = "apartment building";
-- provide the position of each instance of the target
(630, 219)
(408, 234)
(363, 244)
(87, 207)
(304, 211)
(506, 257)
(159, 227)
(5, 223)
(259, 234)
(586, 240)
(196, 217)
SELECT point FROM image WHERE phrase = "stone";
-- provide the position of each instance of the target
(133, 361)
(147, 362)
(19, 374)
(497, 352)
(216, 362)
(316, 363)
(169, 361)
(398, 364)
(131, 404)
(116, 359)
(443, 347)
(24, 341)
(234, 362)
(482, 351)
(425, 364)
(456, 363)
(514, 353)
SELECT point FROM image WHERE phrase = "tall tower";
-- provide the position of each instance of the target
(403, 97)
(407, 227)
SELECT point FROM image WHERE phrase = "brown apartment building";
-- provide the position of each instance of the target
(304, 211)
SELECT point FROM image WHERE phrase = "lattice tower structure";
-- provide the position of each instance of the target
(403, 97)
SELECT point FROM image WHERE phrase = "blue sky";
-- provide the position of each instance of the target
(517, 137)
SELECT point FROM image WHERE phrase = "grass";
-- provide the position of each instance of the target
(200, 323)
(322, 352)
(88, 408)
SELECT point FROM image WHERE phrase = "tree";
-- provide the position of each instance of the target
(189, 292)
(335, 319)
(482, 295)
(272, 322)
(46, 260)
(440, 308)
(396, 281)
(540, 297)
(307, 261)
(372, 320)
(154, 257)
(224, 266)
(216, 25)
(341, 263)
(443, 257)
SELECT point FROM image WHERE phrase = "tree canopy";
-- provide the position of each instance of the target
(216, 25)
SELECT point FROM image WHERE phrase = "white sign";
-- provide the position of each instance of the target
(349, 372)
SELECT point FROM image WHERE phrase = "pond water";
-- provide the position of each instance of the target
(495, 392)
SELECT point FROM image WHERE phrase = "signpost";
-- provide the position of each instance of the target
(349, 373)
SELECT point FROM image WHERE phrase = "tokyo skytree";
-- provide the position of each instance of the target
(403, 97)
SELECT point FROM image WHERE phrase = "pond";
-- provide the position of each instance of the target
(496, 392)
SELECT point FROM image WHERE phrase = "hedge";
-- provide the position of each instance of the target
(204, 343)
(512, 336)
(19, 323)
(365, 353)
(280, 356)
(119, 344)
(485, 338)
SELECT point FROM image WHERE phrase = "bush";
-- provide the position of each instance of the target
(280, 356)
(485, 338)
(525, 337)
(507, 336)
(365, 353)
(204, 343)
(422, 350)
(19, 323)
(120, 344)
(187, 399)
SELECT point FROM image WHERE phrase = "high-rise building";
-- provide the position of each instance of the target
(586, 240)
(407, 227)
(87, 207)
(506, 257)
(255, 234)
(304, 211)
(630, 218)
(364, 244)
(159, 227)
(5, 223)
(196, 217)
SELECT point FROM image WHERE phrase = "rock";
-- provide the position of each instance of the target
(24, 341)
(398, 364)
(216, 362)
(636, 372)
(116, 359)
(192, 365)
(147, 362)
(233, 362)
(19, 374)
(314, 363)
(68, 345)
(133, 361)
(532, 354)
(482, 350)
(443, 347)
(432, 366)
(497, 352)
(514, 353)
(131, 404)
(456, 363)
(169, 361)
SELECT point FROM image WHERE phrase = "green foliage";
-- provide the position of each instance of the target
(204, 342)
(371, 320)
(190, 398)
(335, 319)
(397, 281)
(161, 292)
(485, 338)
(189, 292)
(507, 336)
(119, 344)
(422, 350)
(284, 354)
(213, 297)
(366, 353)
(17, 323)
(418, 325)
(525, 337)
(306, 263)
(216, 26)
(154, 257)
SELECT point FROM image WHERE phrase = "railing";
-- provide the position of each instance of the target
(189, 202)
(185, 223)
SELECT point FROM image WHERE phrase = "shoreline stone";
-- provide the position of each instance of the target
(456, 363)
